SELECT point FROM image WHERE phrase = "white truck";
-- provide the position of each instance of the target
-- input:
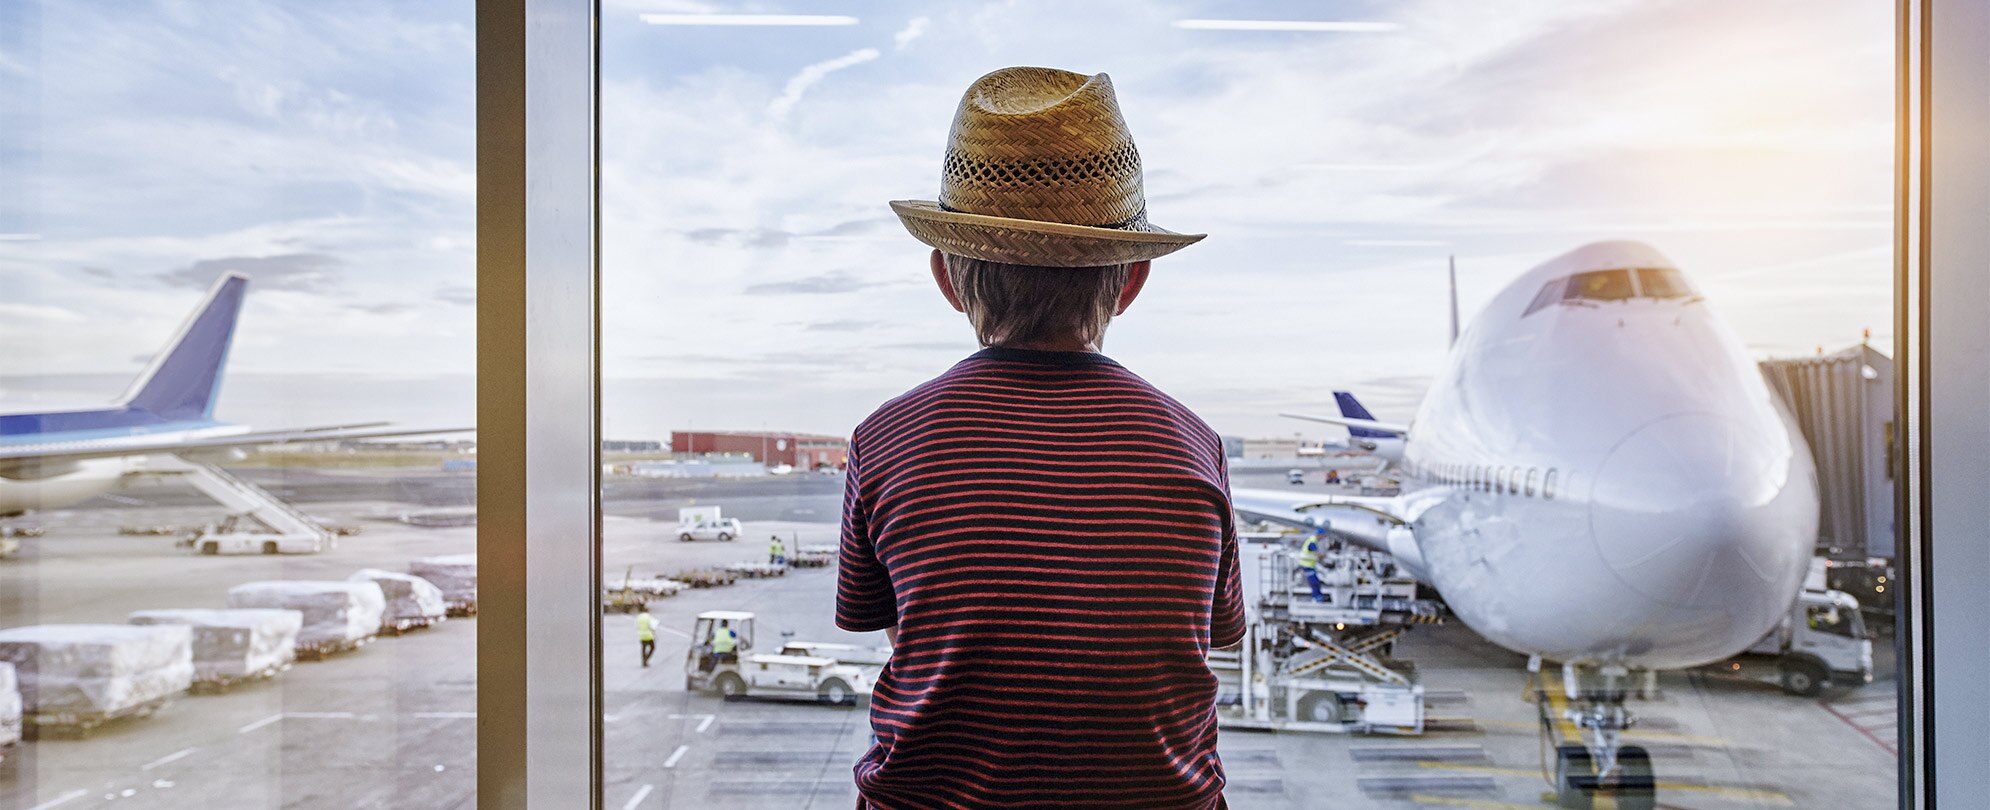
(705, 523)
(745, 674)
(1822, 642)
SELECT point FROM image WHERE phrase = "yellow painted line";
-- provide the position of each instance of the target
(1758, 794)
(1485, 769)
(1449, 801)
(1551, 685)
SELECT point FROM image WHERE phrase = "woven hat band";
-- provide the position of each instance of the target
(1094, 188)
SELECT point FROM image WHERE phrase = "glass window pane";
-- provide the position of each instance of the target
(760, 290)
(1600, 285)
(237, 484)
(1662, 282)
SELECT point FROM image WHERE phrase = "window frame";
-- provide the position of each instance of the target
(537, 198)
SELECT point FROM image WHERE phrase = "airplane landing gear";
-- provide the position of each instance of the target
(1587, 718)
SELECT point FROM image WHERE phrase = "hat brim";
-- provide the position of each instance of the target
(1031, 242)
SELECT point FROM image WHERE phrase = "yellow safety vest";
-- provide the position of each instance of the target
(725, 640)
(777, 549)
(1309, 554)
(645, 628)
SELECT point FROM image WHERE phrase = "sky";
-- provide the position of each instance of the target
(753, 276)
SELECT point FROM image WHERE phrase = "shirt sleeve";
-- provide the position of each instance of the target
(864, 599)
(1226, 611)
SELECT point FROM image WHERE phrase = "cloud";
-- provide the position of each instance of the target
(463, 296)
(847, 325)
(44, 313)
(800, 83)
(298, 272)
(382, 308)
(913, 30)
(743, 237)
(827, 283)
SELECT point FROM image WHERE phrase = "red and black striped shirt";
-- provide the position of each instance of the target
(1052, 537)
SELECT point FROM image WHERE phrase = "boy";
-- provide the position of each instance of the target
(1046, 538)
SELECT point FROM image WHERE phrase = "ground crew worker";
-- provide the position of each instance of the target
(725, 644)
(777, 552)
(1309, 561)
(646, 632)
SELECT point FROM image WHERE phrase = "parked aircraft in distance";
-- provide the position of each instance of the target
(55, 458)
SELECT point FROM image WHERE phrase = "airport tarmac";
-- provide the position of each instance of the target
(392, 725)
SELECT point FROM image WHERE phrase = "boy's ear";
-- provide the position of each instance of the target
(1136, 278)
(946, 283)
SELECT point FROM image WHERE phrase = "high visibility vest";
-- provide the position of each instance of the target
(1309, 554)
(777, 549)
(645, 628)
(725, 640)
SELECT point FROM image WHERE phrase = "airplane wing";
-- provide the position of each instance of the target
(142, 444)
(1345, 421)
(1379, 523)
(1359, 519)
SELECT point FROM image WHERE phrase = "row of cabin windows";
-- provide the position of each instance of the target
(1499, 480)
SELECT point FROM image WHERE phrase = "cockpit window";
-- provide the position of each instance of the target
(1663, 282)
(1549, 294)
(1599, 285)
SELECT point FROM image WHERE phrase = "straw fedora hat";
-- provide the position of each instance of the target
(1040, 170)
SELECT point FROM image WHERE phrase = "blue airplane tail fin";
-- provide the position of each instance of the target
(1353, 409)
(184, 379)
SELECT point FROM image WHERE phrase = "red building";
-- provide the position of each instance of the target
(802, 450)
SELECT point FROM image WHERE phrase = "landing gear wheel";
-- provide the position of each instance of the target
(1803, 678)
(1319, 707)
(835, 692)
(1575, 777)
(731, 686)
(1632, 786)
(685, 537)
(269, 547)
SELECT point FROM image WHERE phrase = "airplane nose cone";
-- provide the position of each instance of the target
(1692, 510)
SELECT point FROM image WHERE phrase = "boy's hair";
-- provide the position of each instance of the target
(1017, 303)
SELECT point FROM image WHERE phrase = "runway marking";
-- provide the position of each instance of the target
(61, 800)
(1485, 769)
(447, 715)
(1632, 734)
(675, 756)
(318, 715)
(675, 632)
(1760, 794)
(637, 799)
(1862, 728)
(704, 723)
(167, 759)
(259, 724)
(1421, 798)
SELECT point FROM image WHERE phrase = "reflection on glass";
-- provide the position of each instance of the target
(759, 289)
(1662, 282)
(236, 480)
(1601, 285)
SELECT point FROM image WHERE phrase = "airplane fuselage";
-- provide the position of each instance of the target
(1607, 478)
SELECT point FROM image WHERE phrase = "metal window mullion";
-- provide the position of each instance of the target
(539, 681)
(1954, 329)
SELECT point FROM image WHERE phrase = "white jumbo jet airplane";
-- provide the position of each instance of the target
(55, 458)
(1599, 477)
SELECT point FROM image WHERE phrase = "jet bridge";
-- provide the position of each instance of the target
(257, 522)
(1325, 665)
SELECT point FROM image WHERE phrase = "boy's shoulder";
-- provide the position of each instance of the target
(974, 376)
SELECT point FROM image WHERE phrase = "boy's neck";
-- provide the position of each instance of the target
(1070, 345)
